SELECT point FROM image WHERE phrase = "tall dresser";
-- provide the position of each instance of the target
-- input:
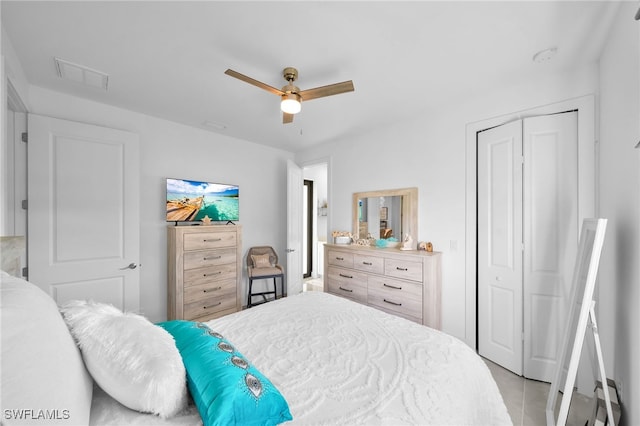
(204, 270)
(403, 283)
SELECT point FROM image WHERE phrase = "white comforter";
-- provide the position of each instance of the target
(339, 362)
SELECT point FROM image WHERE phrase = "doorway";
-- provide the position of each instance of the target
(307, 228)
(315, 225)
(527, 178)
(13, 227)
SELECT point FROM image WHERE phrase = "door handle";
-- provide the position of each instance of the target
(130, 266)
(290, 250)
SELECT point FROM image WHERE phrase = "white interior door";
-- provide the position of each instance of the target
(500, 245)
(550, 236)
(527, 240)
(294, 228)
(83, 214)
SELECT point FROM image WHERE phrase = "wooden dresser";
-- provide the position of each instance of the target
(204, 270)
(403, 283)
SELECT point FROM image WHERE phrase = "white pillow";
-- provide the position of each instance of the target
(133, 360)
(43, 378)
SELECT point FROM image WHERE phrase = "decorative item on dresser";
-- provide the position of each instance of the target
(203, 271)
(403, 283)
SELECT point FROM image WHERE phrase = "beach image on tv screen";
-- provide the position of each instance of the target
(192, 200)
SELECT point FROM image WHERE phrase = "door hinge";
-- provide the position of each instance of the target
(25, 137)
(25, 271)
(25, 204)
(522, 336)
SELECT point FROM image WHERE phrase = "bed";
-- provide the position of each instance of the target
(339, 362)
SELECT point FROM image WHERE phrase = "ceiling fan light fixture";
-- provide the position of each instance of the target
(290, 103)
(291, 96)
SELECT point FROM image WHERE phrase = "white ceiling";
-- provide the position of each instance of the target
(167, 59)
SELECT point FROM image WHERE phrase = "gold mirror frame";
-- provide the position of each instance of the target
(409, 210)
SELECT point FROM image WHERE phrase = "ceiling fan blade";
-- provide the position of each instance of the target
(255, 82)
(287, 118)
(331, 89)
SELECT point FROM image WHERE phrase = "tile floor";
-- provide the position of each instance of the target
(312, 284)
(526, 400)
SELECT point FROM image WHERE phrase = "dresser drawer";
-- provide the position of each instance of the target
(202, 258)
(203, 271)
(371, 264)
(396, 296)
(418, 320)
(339, 258)
(195, 293)
(209, 305)
(403, 269)
(207, 240)
(212, 315)
(209, 274)
(348, 283)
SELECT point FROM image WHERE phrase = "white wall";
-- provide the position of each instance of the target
(619, 292)
(168, 149)
(12, 70)
(429, 154)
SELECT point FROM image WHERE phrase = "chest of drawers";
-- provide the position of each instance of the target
(203, 271)
(403, 283)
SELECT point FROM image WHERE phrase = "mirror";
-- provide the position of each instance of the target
(384, 214)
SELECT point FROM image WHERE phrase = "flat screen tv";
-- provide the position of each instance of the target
(191, 201)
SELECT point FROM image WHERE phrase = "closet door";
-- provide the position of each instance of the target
(527, 240)
(550, 236)
(500, 245)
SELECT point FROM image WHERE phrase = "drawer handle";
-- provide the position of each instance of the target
(212, 258)
(367, 263)
(401, 269)
(346, 276)
(345, 289)
(212, 306)
(209, 275)
(339, 258)
(391, 286)
(213, 289)
(213, 241)
(392, 303)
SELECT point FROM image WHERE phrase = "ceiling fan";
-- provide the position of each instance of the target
(291, 95)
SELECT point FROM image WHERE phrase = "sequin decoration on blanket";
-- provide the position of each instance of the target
(226, 388)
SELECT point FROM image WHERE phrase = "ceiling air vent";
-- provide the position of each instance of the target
(81, 74)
